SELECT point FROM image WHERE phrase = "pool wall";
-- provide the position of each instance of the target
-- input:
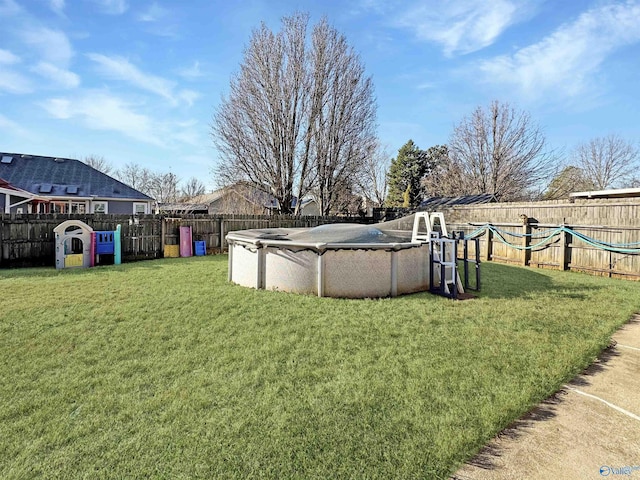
(333, 270)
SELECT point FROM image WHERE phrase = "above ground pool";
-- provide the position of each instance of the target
(334, 260)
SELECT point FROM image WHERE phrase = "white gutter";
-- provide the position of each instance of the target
(617, 192)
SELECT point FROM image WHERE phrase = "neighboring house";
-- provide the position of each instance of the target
(36, 184)
(308, 207)
(239, 198)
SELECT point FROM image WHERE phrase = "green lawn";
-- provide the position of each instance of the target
(162, 369)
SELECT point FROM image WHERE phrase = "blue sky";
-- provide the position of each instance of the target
(139, 81)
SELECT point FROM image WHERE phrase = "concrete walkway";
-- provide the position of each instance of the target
(588, 430)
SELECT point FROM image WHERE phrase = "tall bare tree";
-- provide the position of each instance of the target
(163, 187)
(498, 150)
(299, 115)
(258, 127)
(343, 123)
(607, 161)
(192, 188)
(99, 163)
(372, 183)
(135, 176)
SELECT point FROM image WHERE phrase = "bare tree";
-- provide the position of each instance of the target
(258, 128)
(297, 118)
(135, 176)
(343, 124)
(498, 150)
(372, 183)
(243, 198)
(163, 187)
(607, 161)
(99, 163)
(192, 188)
(445, 180)
(346, 202)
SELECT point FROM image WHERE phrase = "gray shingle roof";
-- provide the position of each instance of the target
(463, 200)
(63, 177)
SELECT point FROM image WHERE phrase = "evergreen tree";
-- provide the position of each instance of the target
(407, 172)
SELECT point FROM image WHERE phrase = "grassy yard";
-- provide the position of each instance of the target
(162, 369)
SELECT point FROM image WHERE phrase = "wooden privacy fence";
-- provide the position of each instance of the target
(613, 252)
(600, 237)
(28, 240)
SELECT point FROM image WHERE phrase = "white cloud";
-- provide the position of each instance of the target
(121, 69)
(61, 77)
(113, 7)
(154, 13)
(565, 61)
(8, 58)
(52, 45)
(58, 108)
(188, 96)
(426, 86)
(57, 6)
(12, 127)
(461, 26)
(189, 137)
(13, 82)
(102, 111)
(191, 72)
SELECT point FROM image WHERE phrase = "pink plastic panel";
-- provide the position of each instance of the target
(186, 245)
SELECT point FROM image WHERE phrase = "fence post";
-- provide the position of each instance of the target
(222, 235)
(526, 240)
(488, 251)
(218, 228)
(565, 249)
(163, 232)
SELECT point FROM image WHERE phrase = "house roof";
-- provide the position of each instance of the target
(62, 177)
(462, 200)
(246, 191)
(207, 198)
(305, 201)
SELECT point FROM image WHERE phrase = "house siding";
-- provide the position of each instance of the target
(311, 209)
